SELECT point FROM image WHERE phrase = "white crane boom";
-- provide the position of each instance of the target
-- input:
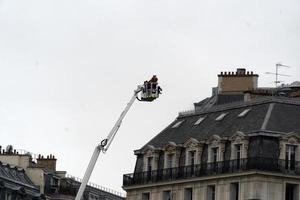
(150, 91)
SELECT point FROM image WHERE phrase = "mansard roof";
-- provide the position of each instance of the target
(15, 174)
(275, 115)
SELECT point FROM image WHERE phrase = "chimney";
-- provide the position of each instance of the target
(48, 163)
(237, 83)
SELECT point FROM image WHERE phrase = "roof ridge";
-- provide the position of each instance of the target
(241, 104)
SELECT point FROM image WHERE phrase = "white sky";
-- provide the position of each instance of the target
(68, 68)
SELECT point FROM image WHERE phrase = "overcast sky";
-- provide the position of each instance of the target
(68, 68)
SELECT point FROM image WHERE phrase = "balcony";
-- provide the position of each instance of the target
(209, 169)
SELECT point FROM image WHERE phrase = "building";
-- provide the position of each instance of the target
(242, 143)
(24, 175)
(15, 184)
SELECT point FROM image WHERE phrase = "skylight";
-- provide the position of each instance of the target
(221, 117)
(244, 113)
(177, 124)
(199, 120)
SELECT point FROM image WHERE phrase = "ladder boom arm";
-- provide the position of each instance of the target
(104, 145)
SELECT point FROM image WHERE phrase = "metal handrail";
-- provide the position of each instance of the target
(105, 189)
(213, 168)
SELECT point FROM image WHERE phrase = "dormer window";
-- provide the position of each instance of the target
(238, 151)
(290, 157)
(149, 164)
(221, 117)
(215, 154)
(170, 160)
(192, 157)
(199, 120)
(177, 124)
(244, 113)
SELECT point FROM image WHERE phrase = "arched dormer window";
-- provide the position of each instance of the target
(193, 151)
(290, 150)
(171, 155)
(216, 149)
(150, 158)
(239, 146)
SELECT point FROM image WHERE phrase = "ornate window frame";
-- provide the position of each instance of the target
(193, 145)
(239, 138)
(215, 141)
(150, 151)
(289, 139)
(171, 148)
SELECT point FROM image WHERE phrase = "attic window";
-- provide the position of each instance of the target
(199, 120)
(244, 113)
(177, 124)
(221, 117)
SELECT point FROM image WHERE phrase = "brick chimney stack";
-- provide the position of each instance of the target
(48, 163)
(237, 82)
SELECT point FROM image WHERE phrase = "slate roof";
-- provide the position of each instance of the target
(15, 174)
(284, 118)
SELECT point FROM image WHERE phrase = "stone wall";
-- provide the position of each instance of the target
(251, 187)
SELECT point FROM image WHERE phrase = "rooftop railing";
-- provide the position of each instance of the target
(214, 168)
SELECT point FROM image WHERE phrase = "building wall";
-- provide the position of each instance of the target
(260, 187)
(236, 84)
(15, 160)
(36, 175)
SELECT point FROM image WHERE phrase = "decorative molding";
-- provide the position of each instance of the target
(191, 143)
(238, 136)
(170, 147)
(291, 138)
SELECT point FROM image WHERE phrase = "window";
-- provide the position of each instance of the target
(221, 117)
(290, 157)
(167, 195)
(211, 192)
(188, 194)
(177, 124)
(199, 120)
(238, 155)
(191, 162)
(8, 196)
(291, 192)
(192, 158)
(244, 113)
(215, 159)
(149, 164)
(146, 196)
(215, 154)
(149, 168)
(170, 158)
(234, 191)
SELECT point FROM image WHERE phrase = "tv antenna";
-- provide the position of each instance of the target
(277, 74)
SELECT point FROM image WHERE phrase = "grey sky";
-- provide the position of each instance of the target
(68, 68)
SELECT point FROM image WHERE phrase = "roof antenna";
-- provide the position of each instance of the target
(278, 66)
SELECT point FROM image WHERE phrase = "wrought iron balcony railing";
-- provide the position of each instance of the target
(214, 168)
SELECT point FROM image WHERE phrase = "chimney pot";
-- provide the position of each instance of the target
(241, 71)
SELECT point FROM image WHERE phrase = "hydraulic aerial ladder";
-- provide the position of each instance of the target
(149, 91)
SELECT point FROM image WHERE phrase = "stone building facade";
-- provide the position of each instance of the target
(242, 143)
